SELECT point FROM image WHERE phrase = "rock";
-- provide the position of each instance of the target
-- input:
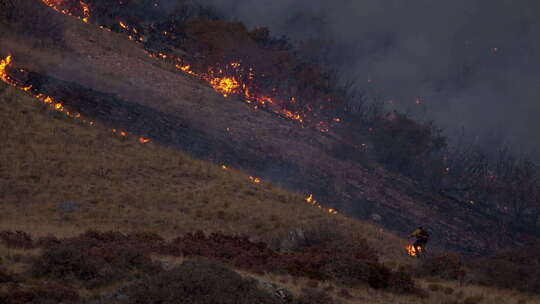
(69, 207)
(376, 217)
(285, 295)
(282, 294)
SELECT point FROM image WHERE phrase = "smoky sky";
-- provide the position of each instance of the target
(472, 65)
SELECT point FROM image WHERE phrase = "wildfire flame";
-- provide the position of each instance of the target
(255, 180)
(310, 200)
(232, 79)
(411, 250)
(218, 78)
(86, 12)
(51, 101)
(56, 5)
(143, 140)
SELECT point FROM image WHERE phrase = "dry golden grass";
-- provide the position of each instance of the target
(123, 185)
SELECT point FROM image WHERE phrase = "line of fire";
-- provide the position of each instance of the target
(230, 80)
(25, 81)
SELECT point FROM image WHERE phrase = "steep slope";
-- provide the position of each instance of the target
(230, 132)
(60, 176)
(117, 183)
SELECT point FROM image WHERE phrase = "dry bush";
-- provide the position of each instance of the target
(99, 258)
(95, 262)
(41, 294)
(347, 263)
(198, 282)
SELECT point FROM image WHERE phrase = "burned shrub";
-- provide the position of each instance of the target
(91, 261)
(198, 282)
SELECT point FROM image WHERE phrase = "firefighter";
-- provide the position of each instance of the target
(422, 237)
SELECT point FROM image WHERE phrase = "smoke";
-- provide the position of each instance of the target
(470, 65)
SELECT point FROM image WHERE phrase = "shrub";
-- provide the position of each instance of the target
(42, 294)
(198, 282)
(93, 262)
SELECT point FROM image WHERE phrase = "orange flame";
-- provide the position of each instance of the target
(86, 12)
(225, 86)
(310, 200)
(218, 78)
(143, 140)
(56, 5)
(51, 101)
(411, 250)
(255, 180)
(4, 63)
(123, 25)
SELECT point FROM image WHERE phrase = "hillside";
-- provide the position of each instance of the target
(118, 184)
(191, 160)
(197, 120)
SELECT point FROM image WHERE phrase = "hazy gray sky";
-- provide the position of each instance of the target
(471, 63)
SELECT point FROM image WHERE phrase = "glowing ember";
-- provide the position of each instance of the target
(255, 180)
(224, 167)
(123, 25)
(310, 199)
(143, 140)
